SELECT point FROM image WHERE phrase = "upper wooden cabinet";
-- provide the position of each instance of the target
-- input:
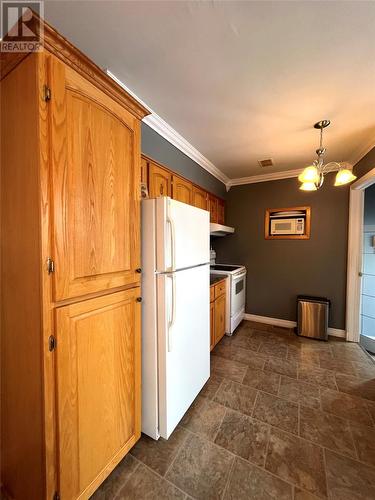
(182, 190)
(213, 207)
(163, 182)
(95, 179)
(98, 386)
(144, 171)
(220, 211)
(160, 181)
(199, 198)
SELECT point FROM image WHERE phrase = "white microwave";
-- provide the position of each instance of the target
(288, 226)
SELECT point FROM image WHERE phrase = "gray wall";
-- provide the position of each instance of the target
(365, 164)
(280, 270)
(369, 208)
(160, 149)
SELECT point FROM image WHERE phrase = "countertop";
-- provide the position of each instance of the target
(215, 278)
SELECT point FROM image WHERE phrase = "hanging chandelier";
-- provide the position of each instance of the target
(312, 177)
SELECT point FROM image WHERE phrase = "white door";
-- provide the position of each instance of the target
(183, 235)
(183, 342)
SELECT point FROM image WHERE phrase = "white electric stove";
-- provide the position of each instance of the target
(236, 293)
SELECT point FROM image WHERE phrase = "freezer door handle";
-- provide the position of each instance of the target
(173, 312)
(173, 241)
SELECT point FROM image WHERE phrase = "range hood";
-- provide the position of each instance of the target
(220, 230)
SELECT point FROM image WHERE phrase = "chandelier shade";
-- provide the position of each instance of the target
(310, 174)
(308, 186)
(344, 176)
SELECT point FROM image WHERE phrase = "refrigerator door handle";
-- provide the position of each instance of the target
(173, 314)
(173, 243)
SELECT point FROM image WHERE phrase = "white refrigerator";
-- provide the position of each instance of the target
(175, 311)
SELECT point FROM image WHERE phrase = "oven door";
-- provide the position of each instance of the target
(238, 293)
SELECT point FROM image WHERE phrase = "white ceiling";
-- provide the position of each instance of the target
(241, 80)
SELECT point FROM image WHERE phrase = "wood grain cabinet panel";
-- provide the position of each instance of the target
(217, 312)
(220, 211)
(144, 171)
(96, 195)
(160, 181)
(213, 205)
(98, 386)
(212, 325)
(182, 190)
(199, 198)
(219, 318)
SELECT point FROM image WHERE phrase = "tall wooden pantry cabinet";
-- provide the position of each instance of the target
(70, 273)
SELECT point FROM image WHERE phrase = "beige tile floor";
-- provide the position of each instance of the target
(281, 417)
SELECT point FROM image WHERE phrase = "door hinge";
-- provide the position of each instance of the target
(52, 343)
(56, 496)
(50, 265)
(46, 93)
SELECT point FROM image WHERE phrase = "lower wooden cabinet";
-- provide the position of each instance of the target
(98, 364)
(212, 325)
(217, 312)
(219, 318)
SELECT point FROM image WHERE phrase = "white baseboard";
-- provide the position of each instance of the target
(285, 323)
(336, 332)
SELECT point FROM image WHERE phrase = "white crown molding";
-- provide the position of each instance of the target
(363, 152)
(171, 135)
(272, 176)
(285, 323)
(160, 126)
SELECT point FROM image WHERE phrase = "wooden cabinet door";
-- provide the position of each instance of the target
(212, 203)
(182, 190)
(159, 181)
(219, 318)
(95, 178)
(220, 211)
(144, 170)
(199, 198)
(212, 325)
(98, 366)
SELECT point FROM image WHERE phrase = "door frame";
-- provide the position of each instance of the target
(354, 262)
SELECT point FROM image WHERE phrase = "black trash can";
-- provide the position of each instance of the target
(312, 317)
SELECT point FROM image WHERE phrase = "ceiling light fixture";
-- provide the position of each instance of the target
(312, 177)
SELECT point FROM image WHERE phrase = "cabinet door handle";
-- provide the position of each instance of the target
(161, 189)
(138, 270)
